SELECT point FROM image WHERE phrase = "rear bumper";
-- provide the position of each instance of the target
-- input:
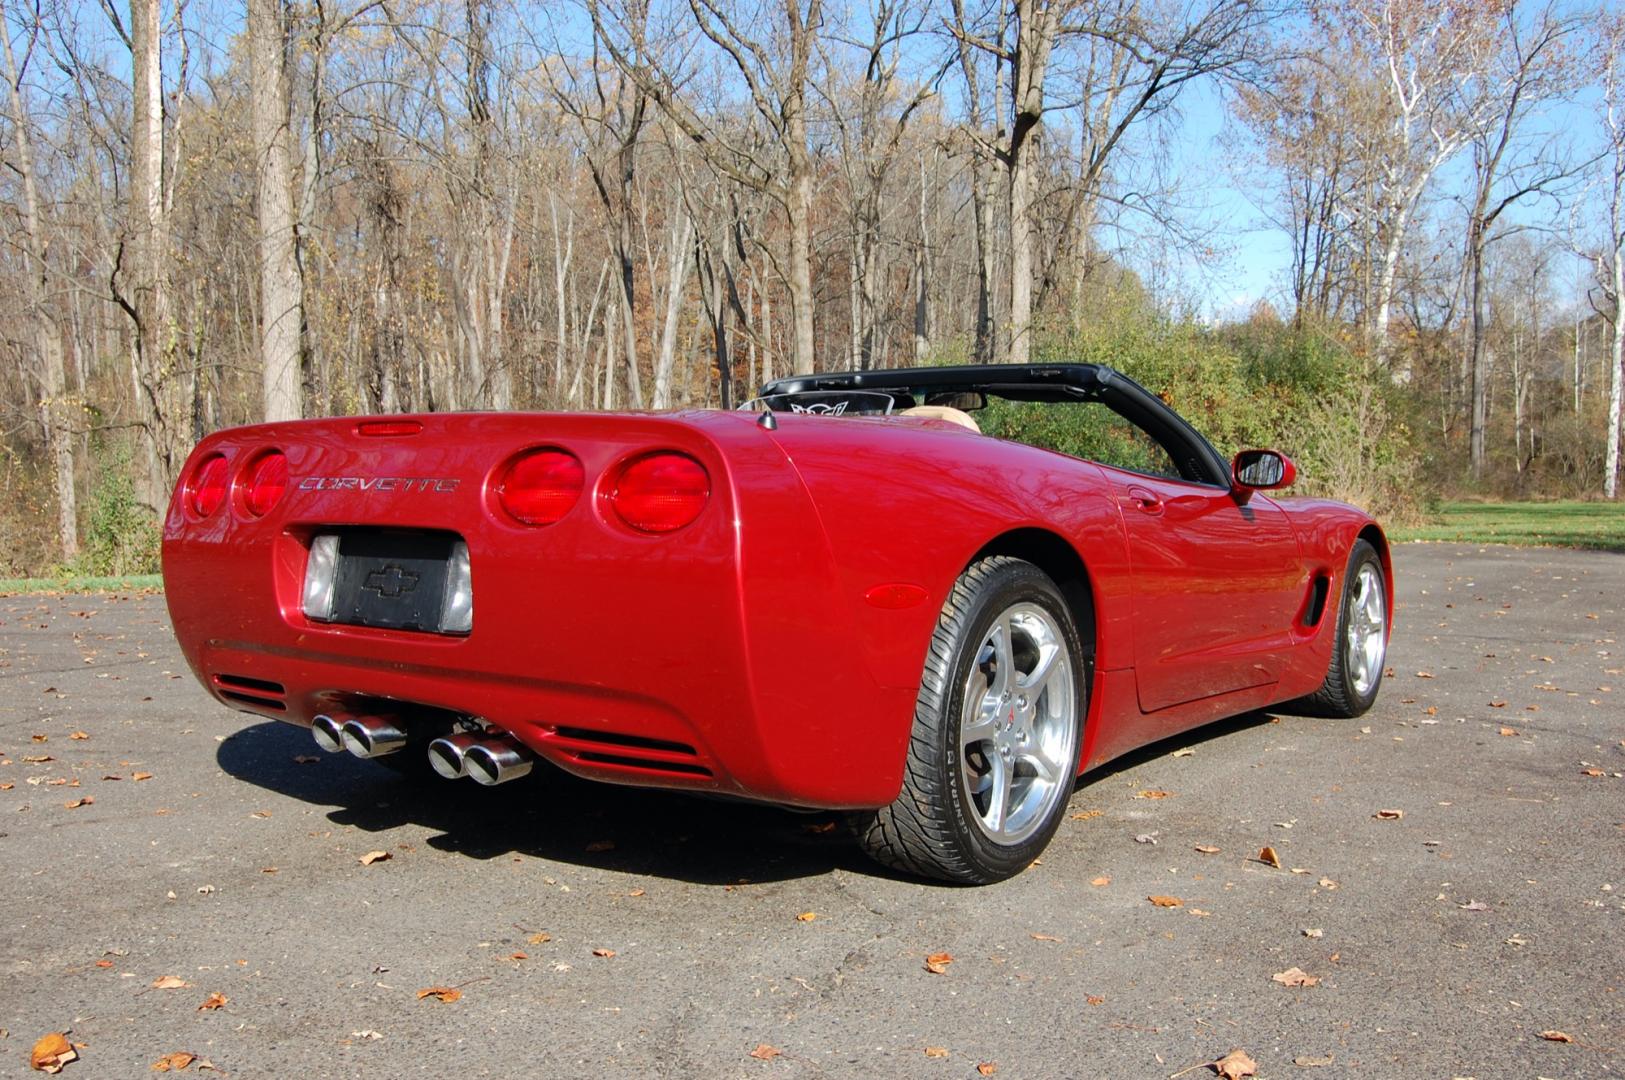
(656, 661)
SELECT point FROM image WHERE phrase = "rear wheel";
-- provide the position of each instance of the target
(1355, 673)
(997, 725)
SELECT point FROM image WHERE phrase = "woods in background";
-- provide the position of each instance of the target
(220, 213)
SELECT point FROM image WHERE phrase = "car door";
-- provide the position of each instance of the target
(1216, 584)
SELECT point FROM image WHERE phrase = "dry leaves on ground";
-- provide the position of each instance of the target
(169, 982)
(987, 1068)
(1166, 901)
(141, 776)
(807, 916)
(79, 736)
(937, 963)
(51, 1053)
(541, 937)
(1295, 976)
(1268, 857)
(374, 856)
(936, 1051)
(1235, 1065)
(1312, 1061)
(605, 953)
(1101, 881)
(1207, 849)
(1044, 937)
(176, 1061)
(1557, 1036)
(446, 994)
(1389, 815)
(1153, 794)
(764, 1052)
(77, 803)
(213, 1001)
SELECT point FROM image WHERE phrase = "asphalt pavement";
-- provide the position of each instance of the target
(1451, 885)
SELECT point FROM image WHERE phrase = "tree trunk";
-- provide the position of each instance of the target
(1034, 36)
(676, 284)
(281, 305)
(149, 241)
(1616, 375)
(54, 407)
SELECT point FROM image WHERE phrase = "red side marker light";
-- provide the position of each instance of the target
(660, 492)
(388, 428)
(541, 486)
(207, 488)
(894, 597)
(267, 480)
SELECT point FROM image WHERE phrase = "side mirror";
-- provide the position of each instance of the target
(1260, 470)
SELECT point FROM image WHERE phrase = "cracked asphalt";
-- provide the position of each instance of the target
(605, 932)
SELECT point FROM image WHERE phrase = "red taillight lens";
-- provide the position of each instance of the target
(660, 493)
(267, 480)
(540, 487)
(207, 489)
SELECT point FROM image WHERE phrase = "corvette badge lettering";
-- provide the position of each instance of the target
(440, 485)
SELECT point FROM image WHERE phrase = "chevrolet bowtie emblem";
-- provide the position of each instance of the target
(391, 582)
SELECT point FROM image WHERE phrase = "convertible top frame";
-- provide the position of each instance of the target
(1195, 457)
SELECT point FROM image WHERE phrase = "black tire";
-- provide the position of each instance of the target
(1345, 694)
(935, 828)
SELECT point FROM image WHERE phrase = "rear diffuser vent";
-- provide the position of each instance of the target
(257, 693)
(620, 751)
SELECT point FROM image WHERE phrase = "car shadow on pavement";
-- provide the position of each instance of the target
(551, 815)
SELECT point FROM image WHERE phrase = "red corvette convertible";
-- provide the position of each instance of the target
(844, 596)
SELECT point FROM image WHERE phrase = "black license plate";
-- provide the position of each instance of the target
(391, 580)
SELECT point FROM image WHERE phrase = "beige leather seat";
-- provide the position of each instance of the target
(944, 412)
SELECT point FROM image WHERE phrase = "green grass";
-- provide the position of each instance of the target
(79, 584)
(1596, 525)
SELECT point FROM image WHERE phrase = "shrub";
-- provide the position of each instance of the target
(120, 535)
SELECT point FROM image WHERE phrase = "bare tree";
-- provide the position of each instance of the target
(281, 291)
(55, 408)
(1608, 258)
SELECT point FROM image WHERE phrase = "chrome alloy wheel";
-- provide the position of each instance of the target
(1018, 725)
(1365, 639)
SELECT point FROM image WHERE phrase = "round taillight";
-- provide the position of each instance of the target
(661, 492)
(541, 486)
(207, 488)
(267, 480)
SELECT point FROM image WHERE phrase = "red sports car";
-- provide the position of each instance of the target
(843, 596)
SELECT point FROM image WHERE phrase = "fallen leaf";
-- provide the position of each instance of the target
(1294, 976)
(37, 759)
(1198, 912)
(374, 856)
(1557, 1036)
(1146, 838)
(517, 956)
(637, 892)
(1306, 1061)
(605, 953)
(141, 776)
(599, 845)
(169, 982)
(1314, 932)
(1152, 794)
(539, 938)
(936, 1051)
(1235, 1065)
(51, 1053)
(77, 803)
(104, 963)
(1207, 849)
(1045, 937)
(1268, 857)
(764, 1052)
(40, 738)
(1474, 905)
(1388, 815)
(79, 736)
(1424, 674)
(1497, 704)
(807, 916)
(176, 1061)
(213, 1001)
(1095, 999)
(1166, 901)
(305, 759)
(7, 786)
(446, 994)
(1509, 732)
(987, 1068)
(1326, 883)
(1085, 815)
(1592, 772)
(1101, 881)
(937, 963)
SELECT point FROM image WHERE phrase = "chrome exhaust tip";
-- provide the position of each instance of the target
(328, 731)
(372, 736)
(496, 761)
(449, 755)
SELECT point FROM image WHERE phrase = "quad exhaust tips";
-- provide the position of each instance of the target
(363, 736)
(488, 761)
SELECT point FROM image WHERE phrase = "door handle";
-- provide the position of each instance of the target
(1145, 500)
